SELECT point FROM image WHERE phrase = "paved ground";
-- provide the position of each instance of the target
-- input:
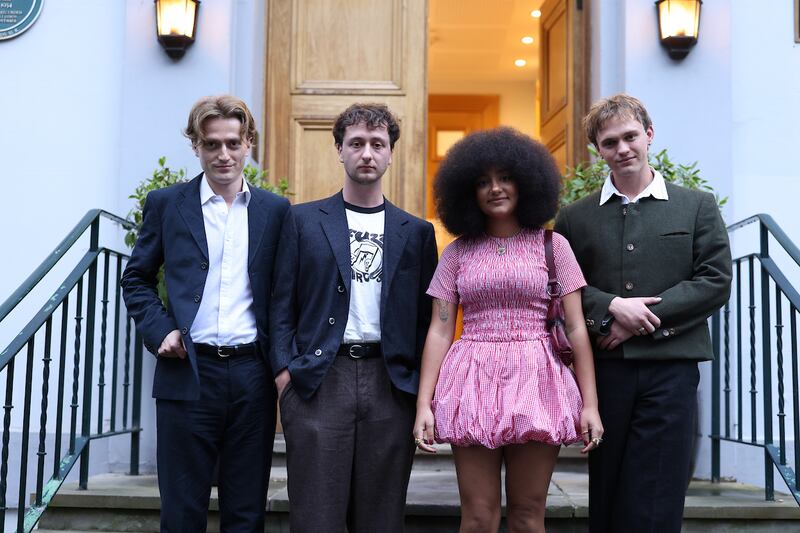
(118, 502)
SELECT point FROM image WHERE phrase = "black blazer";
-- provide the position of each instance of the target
(173, 234)
(311, 295)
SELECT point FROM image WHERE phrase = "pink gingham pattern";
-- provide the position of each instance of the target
(501, 383)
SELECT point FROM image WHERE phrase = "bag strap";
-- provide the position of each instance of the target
(553, 286)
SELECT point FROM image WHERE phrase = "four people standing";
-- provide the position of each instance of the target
(338, 293)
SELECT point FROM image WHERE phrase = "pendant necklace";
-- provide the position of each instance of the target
(502, 247)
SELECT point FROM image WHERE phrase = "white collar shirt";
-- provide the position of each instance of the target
(656, 188)
(226, 315)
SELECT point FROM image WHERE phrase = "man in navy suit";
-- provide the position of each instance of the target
(216, 238)
(349, 318)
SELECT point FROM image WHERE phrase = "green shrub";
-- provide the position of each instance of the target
(586, 178)
(164, 176)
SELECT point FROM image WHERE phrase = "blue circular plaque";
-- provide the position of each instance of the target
(16, 16)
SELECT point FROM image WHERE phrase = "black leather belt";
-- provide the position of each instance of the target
(360, 350)
(223, 352)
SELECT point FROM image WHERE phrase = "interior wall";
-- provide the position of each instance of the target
(518, 100)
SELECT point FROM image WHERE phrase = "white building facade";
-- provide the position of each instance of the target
(91, 101)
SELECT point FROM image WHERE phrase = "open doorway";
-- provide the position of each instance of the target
(483, 71)
(518, 63)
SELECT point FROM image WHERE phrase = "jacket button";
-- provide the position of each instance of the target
(203, 266)
(331, 321)
(196, 298)
(317, 352)
(629, 286)
(589, 322)
(624, 211)
(340, 288)
(630, 247)
(665, 333)
(184, 330)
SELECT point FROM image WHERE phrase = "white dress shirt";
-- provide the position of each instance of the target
(226, 313)
(657, 189)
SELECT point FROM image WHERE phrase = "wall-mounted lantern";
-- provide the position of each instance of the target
(176, 21)
(678, 24)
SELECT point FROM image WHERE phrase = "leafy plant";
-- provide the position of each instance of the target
(163, 176)
(586, 178)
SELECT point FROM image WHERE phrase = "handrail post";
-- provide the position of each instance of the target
(91, 297)
(766, 368)
(715, 406)
(136, 407)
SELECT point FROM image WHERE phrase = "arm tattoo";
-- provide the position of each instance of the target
(443, 313)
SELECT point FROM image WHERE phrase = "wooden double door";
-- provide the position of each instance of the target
(323, 55)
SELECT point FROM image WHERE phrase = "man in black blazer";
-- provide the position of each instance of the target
(216, 238)
(349, 318)
(657, 262)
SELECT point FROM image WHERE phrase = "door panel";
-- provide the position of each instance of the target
(322, 56)
(331, 60)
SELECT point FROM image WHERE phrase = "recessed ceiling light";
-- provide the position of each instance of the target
(520, 62)
(527, 40)
(536, 13)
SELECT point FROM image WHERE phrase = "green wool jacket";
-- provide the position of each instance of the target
(677, 249)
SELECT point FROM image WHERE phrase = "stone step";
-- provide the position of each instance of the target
(121, 503)
(570, 458)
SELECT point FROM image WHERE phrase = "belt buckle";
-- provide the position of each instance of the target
(353, 355)
(221, 354)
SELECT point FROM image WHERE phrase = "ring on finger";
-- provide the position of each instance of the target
(417, 441)
(642, 330)
(597, 441)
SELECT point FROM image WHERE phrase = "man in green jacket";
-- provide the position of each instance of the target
(657, 262)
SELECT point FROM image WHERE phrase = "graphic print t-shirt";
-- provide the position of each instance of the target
(366, 273)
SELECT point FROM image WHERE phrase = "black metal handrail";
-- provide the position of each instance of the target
(126, 371)
(769, 291)
(89, 220)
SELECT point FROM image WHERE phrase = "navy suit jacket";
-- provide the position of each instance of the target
(173, 234)
(311, 295)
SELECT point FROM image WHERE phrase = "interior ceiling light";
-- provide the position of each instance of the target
(520, 62)
(536, 13)
(527, 40)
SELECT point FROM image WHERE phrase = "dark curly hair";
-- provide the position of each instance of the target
(526, 161)
(373, 115)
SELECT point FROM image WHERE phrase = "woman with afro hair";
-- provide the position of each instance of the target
(500, 395)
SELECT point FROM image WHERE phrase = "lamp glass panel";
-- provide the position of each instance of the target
(176, 17)
(679, 18)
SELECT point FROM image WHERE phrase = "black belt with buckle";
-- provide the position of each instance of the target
(360, 350)
(223, 352)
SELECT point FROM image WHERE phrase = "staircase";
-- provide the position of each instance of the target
(84, 338)
(122, 503)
